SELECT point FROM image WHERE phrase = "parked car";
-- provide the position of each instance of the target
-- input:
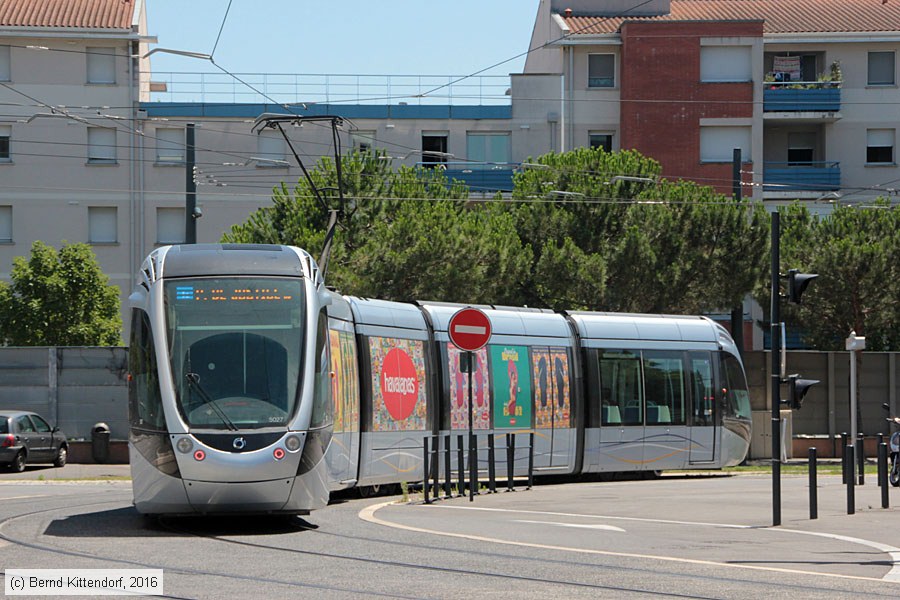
(26, 437)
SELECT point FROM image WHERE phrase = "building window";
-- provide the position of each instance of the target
(169, 225)
(726, 63)
(101, 65)
(102, 225)
(801, 149)
(5, 134)
(488, 148)
(434, 148)
(601, 70)
(363, 141)
(270, 149)
(879, 146)
(717, 143)
(6, 224)
(881, 68)
(5, 70)
(101, 145)
(601, 140)
(169, 145)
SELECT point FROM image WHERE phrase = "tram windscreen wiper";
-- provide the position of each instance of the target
(193, 380)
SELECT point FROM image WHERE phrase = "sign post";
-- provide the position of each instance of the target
(470, 330)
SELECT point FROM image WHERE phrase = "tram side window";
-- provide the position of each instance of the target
(621, 389)
(664, 386)
(737, 396)
(144, 395)
(702, 390)
(322, 413)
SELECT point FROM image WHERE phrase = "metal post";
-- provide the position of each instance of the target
(447, 476)
(530, 460)
(492, 471)
(883, 474)
(775, 315)
(844, 457)
(737, 312)
(473, 451)
(461, 473)
(436, 465)
(813, 487)
(861, 457)
(510, 452)
(425, 483)
(851, 481)
(190, 188)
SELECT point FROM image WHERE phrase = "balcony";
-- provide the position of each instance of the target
(485, 178)
(812, 178)
(802, 97)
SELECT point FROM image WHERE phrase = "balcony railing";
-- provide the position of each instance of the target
(802, 96)
(479, 177)
(811, 176)
(297, 88)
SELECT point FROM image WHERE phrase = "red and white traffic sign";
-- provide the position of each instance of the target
(469, 329)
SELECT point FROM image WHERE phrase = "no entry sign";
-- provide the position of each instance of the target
(470, 329)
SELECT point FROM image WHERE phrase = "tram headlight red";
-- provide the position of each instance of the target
(292, 443)
(184, 445)
(278, 453)
(199, 455)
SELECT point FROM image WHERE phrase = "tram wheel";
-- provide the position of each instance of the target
(370, 491)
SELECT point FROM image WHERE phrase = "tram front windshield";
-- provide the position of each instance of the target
(236, 350)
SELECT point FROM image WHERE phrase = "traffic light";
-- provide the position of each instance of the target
(797, 283)
(798, 388)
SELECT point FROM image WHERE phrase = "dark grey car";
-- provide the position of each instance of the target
(26, 437)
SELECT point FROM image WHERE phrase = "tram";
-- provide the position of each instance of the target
(255, 389)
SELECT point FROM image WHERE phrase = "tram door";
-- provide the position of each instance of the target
(703, 408)
(552, 402)
(345, 392)
(621, 410)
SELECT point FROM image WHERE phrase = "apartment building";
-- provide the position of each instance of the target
(92, 141)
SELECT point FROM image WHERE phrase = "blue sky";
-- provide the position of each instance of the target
(391, 37)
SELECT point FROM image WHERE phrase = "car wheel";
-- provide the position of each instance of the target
(18, 463)
(62, 455)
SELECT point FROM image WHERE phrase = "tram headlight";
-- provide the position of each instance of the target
(184, 445)
(292, 443)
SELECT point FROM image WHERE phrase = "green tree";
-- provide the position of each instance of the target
(59, 299)
(856, 253)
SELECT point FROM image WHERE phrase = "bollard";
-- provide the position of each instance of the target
(861, 458)
(879, 439)
(851, 480)
(883, 474)
(448, 493)
(530, 460)
(459, 466)
(813, 487)
(510, 456)
(425, 483)
(473, 465)
(844, 457)
(492, 471)
(436, 466)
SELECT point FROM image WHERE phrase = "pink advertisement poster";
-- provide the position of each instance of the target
(459, 391)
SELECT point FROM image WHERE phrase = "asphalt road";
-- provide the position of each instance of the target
(697, 537)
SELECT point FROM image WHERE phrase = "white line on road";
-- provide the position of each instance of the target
(368, 514)
(575, 525)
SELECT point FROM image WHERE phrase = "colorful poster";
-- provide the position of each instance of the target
(398, 384)
(511, 380)
(344, 381)
(459, 391)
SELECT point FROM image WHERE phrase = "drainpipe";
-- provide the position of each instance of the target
(571, 96)
(134, 50)
(562, 109)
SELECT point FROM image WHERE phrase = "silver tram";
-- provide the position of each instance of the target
(253, 388)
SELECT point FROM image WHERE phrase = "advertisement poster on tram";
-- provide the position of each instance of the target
(345, 383)
(550, 367)
(459, 391)
(512, 386)
(398, 384)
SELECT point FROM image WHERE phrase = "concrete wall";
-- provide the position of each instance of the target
(73, 388)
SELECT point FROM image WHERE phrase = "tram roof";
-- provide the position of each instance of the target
(192, 260)
(621, 326)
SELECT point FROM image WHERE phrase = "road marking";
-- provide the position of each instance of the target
(892, 575)
(559, 514)
(23, 497)
(575, 525)
(368, 514)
